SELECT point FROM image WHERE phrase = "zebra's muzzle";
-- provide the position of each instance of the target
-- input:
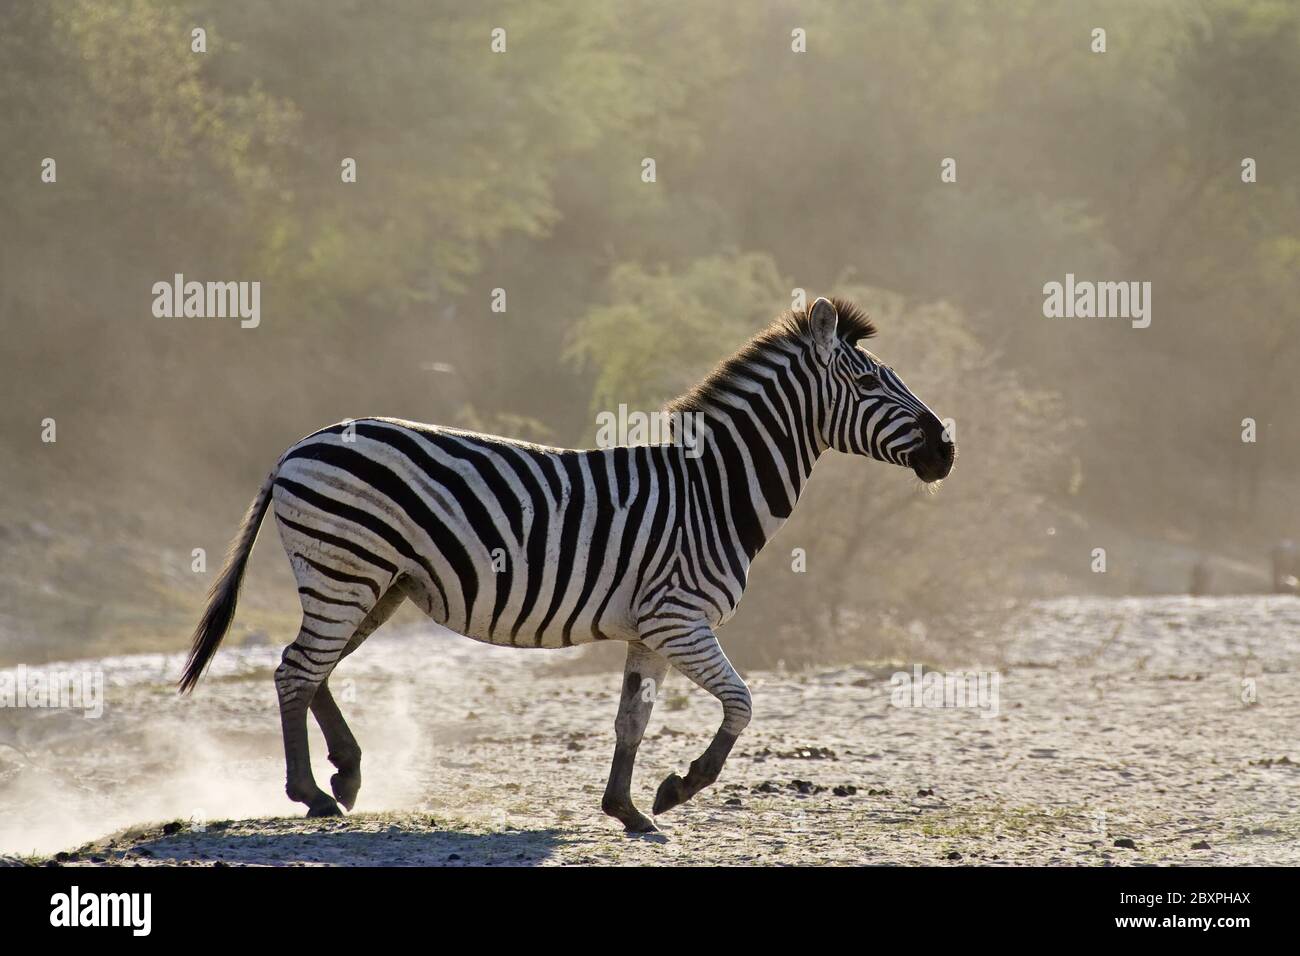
(933, 459)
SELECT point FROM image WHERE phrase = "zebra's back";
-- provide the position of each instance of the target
(500, 540)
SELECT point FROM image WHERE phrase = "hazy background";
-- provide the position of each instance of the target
(775, 171)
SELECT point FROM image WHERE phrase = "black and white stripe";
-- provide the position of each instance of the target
(517, 544)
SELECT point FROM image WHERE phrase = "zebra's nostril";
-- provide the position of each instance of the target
(937, 443)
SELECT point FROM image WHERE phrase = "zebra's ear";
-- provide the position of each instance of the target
(822, 319)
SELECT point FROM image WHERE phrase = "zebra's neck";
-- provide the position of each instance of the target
(757, 439)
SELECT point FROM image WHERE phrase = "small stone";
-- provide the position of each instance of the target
(1202, 845)
(1126, 843)
(954, 855)
(805, 787)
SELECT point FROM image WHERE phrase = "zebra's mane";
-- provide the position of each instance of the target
(793, 326)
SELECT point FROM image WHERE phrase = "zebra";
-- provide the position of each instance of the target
(517, 544)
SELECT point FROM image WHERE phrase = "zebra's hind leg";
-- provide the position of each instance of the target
(643, 676)
(329, 622)
(344, 751)
(304, 666)
(696, 653)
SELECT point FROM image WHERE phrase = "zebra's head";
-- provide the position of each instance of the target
(867, 410)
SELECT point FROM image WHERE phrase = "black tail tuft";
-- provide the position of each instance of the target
(225, 592)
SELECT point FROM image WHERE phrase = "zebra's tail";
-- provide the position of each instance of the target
(225, 591)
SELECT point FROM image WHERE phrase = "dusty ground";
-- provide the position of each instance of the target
(1136, 731)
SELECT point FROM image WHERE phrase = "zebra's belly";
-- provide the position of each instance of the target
(550, 639)
(528, 607)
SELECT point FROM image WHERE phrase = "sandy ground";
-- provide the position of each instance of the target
(1135, 731)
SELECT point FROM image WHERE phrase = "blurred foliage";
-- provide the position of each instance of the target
(659, 332)
(522, 171)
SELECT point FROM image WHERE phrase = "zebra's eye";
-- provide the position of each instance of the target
(870, 381)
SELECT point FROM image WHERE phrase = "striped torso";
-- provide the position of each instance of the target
(508, 542)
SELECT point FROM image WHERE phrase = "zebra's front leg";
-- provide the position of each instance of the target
(697, 654)
(643, 676)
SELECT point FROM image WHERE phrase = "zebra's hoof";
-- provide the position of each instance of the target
(641, 824)
(671, 792)
(345, 787)
(323, 806)
(633, 820)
